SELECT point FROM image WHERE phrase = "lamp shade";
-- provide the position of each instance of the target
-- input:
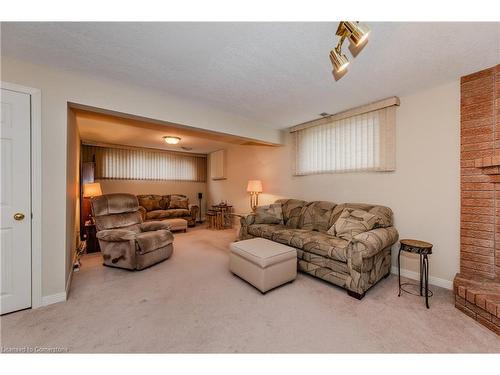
(254, 186)
(92, 190)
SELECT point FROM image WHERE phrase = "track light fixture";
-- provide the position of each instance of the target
(358, 37)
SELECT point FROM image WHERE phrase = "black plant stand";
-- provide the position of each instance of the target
(423, 249)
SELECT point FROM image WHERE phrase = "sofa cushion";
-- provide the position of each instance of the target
(165, 214)
(150, 202)
(270, 214)
(178, 202)
(384, 214)
(164, 202)
(316, 216)
(150, 241)
(353, 222)
(291, 211)
(264, 230)
(314, 242)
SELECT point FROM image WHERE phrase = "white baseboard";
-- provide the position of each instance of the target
(58, 297)
(447, 284)
(53, 298)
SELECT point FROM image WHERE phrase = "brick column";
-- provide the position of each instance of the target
(477, 287)
(478, 195)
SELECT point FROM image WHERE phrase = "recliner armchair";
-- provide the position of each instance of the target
(127, 242)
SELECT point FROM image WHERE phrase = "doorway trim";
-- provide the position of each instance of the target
(36, 188)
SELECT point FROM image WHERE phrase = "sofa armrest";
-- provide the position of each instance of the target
(370, 243)
(151, 226)
(194, 209)
(142, 211)
(115, 235)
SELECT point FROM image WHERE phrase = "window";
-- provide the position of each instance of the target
(130, 163)
(355, 140)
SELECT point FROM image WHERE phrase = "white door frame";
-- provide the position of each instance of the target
(36, 188)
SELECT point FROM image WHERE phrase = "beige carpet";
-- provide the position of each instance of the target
(191, 303)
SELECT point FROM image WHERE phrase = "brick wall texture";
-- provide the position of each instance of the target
(480, 191)
(480, 197)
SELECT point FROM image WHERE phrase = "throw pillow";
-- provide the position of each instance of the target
(271, 214)
(177, 201)
(351, 223)
(164, 202)
(150, 204)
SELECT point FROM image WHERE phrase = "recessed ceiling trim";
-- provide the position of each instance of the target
(213, 134)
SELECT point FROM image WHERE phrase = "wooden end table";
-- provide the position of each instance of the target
(423, 249)
(91, 238)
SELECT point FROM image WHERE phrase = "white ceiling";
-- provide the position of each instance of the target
(277, 74)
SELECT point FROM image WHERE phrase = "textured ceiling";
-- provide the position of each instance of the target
(277, 74)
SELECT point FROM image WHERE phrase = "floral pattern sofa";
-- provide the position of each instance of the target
(355, 264)
(160, 207)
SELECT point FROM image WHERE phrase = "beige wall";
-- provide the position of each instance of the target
(58, 87)
(72, 193)
(423, 191)
(190, 189)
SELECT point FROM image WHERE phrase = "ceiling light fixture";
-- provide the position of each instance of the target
(171, 140)
(338, 60)
(357, 33)
(358, 37)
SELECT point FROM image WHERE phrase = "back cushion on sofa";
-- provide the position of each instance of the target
(291, 211)
(271, 214)
(150, 202)
(164, 202)
(384, 214)
(316, 216)
(352, 222)
(178, 201)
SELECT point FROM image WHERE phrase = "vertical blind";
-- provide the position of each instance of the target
(364, 142)
(145, 164)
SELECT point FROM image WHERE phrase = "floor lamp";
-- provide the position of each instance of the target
(200, 196)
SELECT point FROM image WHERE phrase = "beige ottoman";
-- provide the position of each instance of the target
(177, 224)
(264, 264)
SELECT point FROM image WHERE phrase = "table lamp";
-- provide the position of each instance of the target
(89, 191)
(92, 190)
(254, 187)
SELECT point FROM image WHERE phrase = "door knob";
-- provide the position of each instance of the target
(18, 216)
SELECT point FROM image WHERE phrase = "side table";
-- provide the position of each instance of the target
(423, 249)
(91, 238)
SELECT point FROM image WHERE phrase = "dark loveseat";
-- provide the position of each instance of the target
(160, 207)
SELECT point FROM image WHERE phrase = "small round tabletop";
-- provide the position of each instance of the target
(416, 246)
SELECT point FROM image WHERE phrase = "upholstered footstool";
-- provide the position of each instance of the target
(264, 264)
(177, 224)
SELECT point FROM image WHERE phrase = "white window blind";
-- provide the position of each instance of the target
(145, 164)
(364, 142)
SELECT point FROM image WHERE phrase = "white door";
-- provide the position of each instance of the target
(15, 201)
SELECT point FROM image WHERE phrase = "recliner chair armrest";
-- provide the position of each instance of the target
(151, 226)
(370, 243)
(116, 235)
